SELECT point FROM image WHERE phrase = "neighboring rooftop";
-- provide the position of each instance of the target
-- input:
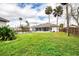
(45, 25)
(3, 20)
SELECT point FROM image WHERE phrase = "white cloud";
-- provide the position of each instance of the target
(12, 12)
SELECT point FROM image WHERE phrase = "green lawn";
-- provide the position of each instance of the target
(41, 44)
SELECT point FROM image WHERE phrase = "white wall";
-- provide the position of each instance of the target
(2, 24)
(32, 29)
(55, 29)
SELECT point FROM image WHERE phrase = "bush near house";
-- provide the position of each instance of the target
(6, 33)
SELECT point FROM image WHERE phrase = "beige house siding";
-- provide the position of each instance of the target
(45, 27)
(55, 29)
(2, 23)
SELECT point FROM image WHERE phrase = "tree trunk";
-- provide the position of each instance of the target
(75, 18)
(78, 24)
(20, 23)
(49, 23)
(49, 18)
(21, 26)
(67, 16)
(57, 23)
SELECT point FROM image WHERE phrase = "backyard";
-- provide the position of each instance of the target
(41, 44)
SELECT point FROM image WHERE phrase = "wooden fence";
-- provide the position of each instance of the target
(72, 30)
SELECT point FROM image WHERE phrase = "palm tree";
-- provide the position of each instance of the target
(61, 26)
(27, 23)
(20, 21)
(64, 3)
(28, 28)
(57, 12)
(67, 17)
(48, 11)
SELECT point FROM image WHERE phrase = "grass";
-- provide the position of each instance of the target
(41, 44)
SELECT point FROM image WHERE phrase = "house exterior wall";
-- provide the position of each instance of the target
(32, 29)
(2, 23)
(55, 29)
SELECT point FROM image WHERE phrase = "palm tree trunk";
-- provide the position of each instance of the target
(57, 23)
(49, 23)
(49, 18)
(20, 26)
(20, 23)
(57, 20)
(67, 16)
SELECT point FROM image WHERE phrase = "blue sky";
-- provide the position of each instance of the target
(36, 6)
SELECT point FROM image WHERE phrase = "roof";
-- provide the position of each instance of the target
(3, 20)
(45, 25)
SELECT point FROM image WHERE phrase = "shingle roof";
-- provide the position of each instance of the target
(45, 25)
(3, 20)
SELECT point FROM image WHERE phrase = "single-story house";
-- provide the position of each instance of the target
(3, 21)
(45, 27)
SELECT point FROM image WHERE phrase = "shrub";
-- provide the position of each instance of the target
(6, 33)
